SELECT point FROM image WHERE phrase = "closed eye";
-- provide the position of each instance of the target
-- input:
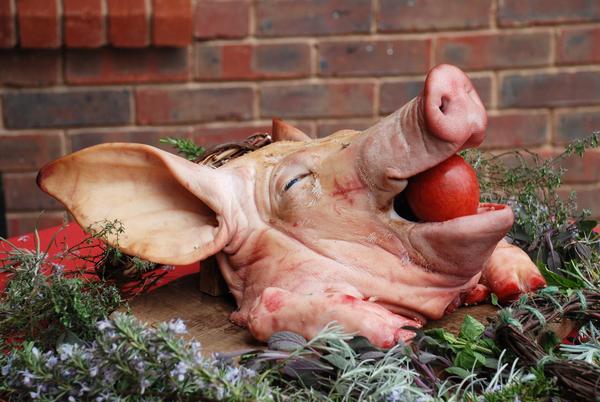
(294, 181)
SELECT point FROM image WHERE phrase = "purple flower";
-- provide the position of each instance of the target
(51, 361)
(177, 326)
(179, 371)
(27, 377)
(104, 324)
(66, 351)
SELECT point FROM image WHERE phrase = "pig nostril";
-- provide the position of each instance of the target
(453, 110)
(444, 104)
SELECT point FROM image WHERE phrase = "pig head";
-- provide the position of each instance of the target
(305, 230)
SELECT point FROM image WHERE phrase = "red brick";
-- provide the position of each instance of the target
(374, 57)
(587, 197)
(550, 89)
(181, 105)
(575, 124)
(21, 193)
(38, 23)
(84, 23)
(312, 17)
(172, 22)
(578, 45)
(537, 12)
(25, 151)
(151, 136)
(394, 94)
(128, 23)
(516, 130)
(25, 223)
(30, 68)
(247, 61)
(221, 19)
(66, 108)
(8, 35)
(325, 128)
(122, 66)
(317, 100)
(490, 51)
(433, 15)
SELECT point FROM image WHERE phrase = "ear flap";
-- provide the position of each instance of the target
(283, 131)
(172, 210)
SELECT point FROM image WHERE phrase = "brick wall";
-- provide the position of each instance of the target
(322, 64)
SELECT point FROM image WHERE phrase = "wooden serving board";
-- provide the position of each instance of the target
(207, 317)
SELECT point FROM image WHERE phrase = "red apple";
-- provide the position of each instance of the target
(446, 191)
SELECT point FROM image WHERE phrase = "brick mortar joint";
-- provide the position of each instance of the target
(534, 70)
(385, 35)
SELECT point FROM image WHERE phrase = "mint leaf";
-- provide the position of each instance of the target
(471, 329)
(465, 359)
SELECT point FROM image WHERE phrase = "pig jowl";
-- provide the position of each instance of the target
(304, 229)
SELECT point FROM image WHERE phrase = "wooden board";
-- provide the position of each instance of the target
(207, 316)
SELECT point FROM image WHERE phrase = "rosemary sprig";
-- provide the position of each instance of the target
(185, 147)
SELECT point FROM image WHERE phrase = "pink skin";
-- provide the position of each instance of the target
(305, 229)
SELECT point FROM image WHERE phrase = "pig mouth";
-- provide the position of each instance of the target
(402, 210)
(458, 246)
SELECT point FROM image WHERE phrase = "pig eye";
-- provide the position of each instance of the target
(294, 181)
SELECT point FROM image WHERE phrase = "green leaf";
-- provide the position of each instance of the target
(441, 334)
(479, 358)
(287, 341)
(462, 373)
(337, 361)
(557, 280)
(471, 329)
(488, 343)
(465, 359)
(491, 363)
(361, 344)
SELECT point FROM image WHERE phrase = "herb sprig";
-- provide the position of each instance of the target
(185, 147)
(551, 230)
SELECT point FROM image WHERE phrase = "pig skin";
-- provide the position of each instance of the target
(304, 229)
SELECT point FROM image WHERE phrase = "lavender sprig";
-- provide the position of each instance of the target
(127, 359)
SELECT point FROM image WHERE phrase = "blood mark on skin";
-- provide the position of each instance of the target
(343, 191)
(347, 299)
(274, 302)
(510, 290)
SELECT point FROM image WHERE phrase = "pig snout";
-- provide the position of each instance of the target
(453, 111)
(446, 117)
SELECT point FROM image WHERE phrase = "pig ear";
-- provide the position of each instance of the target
(172, 210)
(283, 131)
